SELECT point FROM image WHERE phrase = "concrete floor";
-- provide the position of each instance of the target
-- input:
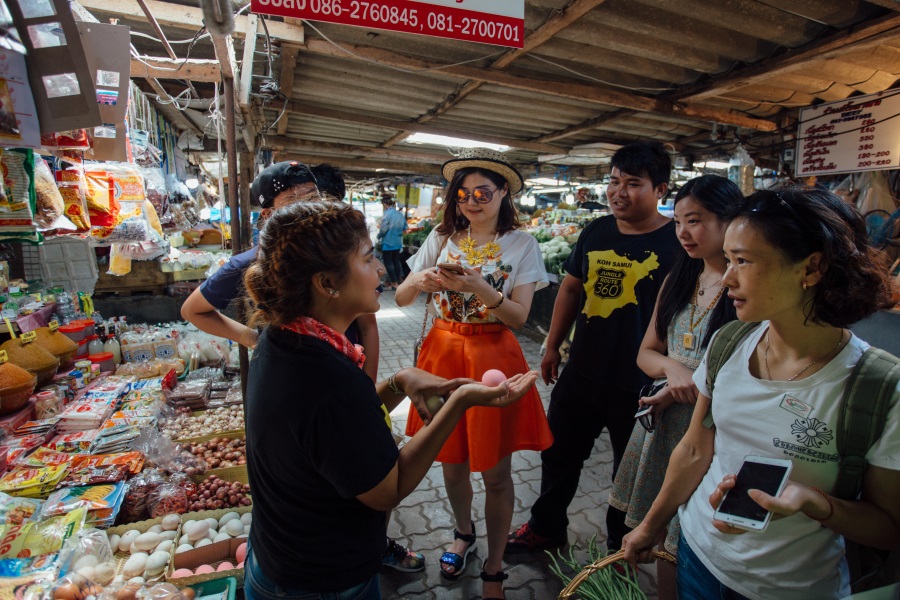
(423, 521)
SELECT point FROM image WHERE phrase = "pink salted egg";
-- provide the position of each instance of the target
(204, 569)
(240, 565)
(241, 552)
(225, 566)
(182, 573)
(493, 377)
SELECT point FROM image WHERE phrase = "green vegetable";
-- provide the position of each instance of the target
(605, 584)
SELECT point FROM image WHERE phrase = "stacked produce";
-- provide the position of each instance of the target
(215, 493)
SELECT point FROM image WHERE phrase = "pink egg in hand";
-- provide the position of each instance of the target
(225, 566)
(182, 573)
(493, 377)
(241, 552)
(203, 570)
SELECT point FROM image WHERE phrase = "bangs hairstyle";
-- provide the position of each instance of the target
(722, 198)
(799, 221)
(454, 221)
(644, 159)
(297, 242)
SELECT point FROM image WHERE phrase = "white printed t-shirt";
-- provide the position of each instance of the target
(795, 557)
(519, 262)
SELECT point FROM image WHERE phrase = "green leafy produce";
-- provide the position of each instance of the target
(605, 584)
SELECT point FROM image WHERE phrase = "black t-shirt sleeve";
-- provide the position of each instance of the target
(334, 443)
(574, 264)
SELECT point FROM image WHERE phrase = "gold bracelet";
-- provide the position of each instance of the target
(392, 384)
(499, 302)
(830, 505)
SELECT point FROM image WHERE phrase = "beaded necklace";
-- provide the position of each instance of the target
(475, 255)
(687, 339)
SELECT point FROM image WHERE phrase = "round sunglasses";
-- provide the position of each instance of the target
(480, 195)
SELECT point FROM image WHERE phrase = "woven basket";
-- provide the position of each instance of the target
(599, 564)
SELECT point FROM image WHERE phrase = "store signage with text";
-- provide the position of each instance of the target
(497, 22)
(857, 134)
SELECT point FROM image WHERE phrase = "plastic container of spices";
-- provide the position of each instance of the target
(104, 360)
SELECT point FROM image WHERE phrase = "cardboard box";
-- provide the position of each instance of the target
(213, 554)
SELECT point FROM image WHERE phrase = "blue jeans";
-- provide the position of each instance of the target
(695, 582)
(259, 587)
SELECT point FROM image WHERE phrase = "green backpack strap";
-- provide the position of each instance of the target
(720, 350)
(864, 408)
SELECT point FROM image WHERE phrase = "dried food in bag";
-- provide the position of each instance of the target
(17, 511)
(49, 204)
(137, 494)
(167, 498)
(75, 204)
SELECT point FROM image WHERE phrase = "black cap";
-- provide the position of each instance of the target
(278, 178)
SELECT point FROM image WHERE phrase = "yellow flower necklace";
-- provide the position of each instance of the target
(477, 256)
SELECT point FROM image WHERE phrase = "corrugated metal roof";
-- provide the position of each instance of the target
(693, 73)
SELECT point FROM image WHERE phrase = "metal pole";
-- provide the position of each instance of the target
(236, 215)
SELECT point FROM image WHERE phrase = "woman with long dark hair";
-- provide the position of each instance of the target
(799, 265)
(498, 270)
(691, 306)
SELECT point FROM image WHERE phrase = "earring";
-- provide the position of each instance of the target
(805, 285)
(334, 293)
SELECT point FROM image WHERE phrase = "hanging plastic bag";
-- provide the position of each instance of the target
(49, 204)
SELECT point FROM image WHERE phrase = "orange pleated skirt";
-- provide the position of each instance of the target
(484, 435)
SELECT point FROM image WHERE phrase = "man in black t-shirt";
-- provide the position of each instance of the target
(613, 277)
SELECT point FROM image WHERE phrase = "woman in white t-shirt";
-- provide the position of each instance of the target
(798, 262)
(500, 268)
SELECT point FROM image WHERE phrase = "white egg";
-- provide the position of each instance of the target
(234, 527)
(87, 572)
(88, 560)
(147, 541)
(135, 565)
(156, 564)
(114, 542)
(211, 534)
(127, 539)
(247, 518)
(183, 548)
(155, 529)
(165, 546)
(171, 522)
(184, 540)
(138, 580)
(133, 549)
(228, 517)
(213, 523)
(222, 537)
(197, 530)
(168, 535)
(104, 573)
(203, 542)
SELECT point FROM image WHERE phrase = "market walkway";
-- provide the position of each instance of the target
(423, 520)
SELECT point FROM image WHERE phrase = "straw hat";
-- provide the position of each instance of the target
(489, 160)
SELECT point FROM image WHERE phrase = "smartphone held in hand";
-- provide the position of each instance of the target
(738, 509)
(452, 268)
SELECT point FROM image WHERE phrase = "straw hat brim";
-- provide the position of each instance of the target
(508, 172)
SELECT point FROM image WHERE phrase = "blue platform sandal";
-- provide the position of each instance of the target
(452, 559)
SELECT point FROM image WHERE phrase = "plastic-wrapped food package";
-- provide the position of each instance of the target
(49, 204)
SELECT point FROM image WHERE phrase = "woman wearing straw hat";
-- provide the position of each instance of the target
(474, 310)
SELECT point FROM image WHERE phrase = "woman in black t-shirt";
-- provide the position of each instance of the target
(322, 462)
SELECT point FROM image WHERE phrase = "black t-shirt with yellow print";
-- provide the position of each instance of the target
(622, 275)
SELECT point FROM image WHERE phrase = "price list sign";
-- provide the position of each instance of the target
(858, 134)
(497, 22)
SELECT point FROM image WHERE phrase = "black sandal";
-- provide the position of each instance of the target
(498, 577)
(456, 561)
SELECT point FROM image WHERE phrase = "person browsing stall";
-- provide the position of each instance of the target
(390, 234)
(799, 265)
(321, 457)
(498, 267)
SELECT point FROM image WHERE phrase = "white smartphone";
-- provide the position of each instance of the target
(643, 411)
(756, 473)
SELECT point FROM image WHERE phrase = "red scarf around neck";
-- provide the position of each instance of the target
(338, 341)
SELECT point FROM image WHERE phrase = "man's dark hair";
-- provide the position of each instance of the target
(644, 159)
(329, 180)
